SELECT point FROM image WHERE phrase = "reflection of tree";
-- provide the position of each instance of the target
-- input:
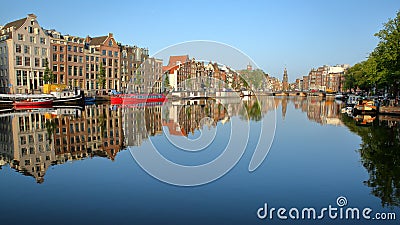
(50, 127)
(102, 123)
(252, 109)
(380, 155)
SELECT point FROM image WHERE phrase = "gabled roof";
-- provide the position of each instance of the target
(177, 58)
(17, 24)
(98, 40)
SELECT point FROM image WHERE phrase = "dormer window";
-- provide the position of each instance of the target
(110, 43)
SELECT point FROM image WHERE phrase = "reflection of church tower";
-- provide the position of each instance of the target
(285, 84)
(284, 107)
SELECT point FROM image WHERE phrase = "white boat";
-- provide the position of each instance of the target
(353, 100)
(68, 96)
(340, 96)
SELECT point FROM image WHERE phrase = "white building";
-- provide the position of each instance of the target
(24, 49)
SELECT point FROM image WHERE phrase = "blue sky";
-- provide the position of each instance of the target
(299, 35)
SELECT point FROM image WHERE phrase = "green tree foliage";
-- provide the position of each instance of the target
(382, 67)
(101, 77)
(48, 76)
(253, 78)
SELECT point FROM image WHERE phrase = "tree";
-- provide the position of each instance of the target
(101, 77)
(387, 53)
(48, 76)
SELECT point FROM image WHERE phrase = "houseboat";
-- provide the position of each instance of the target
(136, 98)
(68, 96)
(365, 107)
(353, 100)
(33, 104)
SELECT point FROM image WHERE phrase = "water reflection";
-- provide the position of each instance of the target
(32, 141)
(380, 154)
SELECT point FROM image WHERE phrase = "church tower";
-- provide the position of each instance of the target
(285, 83)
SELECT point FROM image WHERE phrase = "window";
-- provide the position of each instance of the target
(80, 49)
(54, 57)
(87, 58)
(61, 57)
(18, 48)
(104, 52)
(19, 75)
(30, 30)
(75, 49)
(61, 48)
(69, 48)
(75, 58)
(110, 43)
(75, 70)
(116, 54)
(44, 51)
(55, 68)
(19, 60)
(61, 68)
(37, 62)
(69, 58)
(69, 70)
(43, 62)
(20, 37)
(32, 39)
(24, 77)
(43, 41)
(80, 71)
(110, 53)
(27, 61)
(55, 48)
(27, 49)
(36, 50)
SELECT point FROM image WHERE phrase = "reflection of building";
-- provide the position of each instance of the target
(182, 119)
(33, 144)
(33, 141)
(141, 122)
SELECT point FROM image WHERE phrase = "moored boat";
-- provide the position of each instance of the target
(353, 100)
(365, 107)
(136, 98)
(33, 104)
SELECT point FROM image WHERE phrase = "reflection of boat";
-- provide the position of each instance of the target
(33, 103)
(365, 107)
(136, 98)
(364, 120)
(347, 110)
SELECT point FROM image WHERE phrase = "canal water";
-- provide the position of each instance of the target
(198, 162)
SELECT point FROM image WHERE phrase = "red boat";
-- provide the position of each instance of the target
(33, 104)
(124, 99)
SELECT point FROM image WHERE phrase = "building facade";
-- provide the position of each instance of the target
(24, 49)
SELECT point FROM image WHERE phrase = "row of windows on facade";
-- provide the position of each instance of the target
(30, 139)
(27, 61)
(79, 59)
(32, 39)
(27, 50)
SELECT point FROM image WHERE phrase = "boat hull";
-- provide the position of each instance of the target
(33, 105)
(129, 99)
